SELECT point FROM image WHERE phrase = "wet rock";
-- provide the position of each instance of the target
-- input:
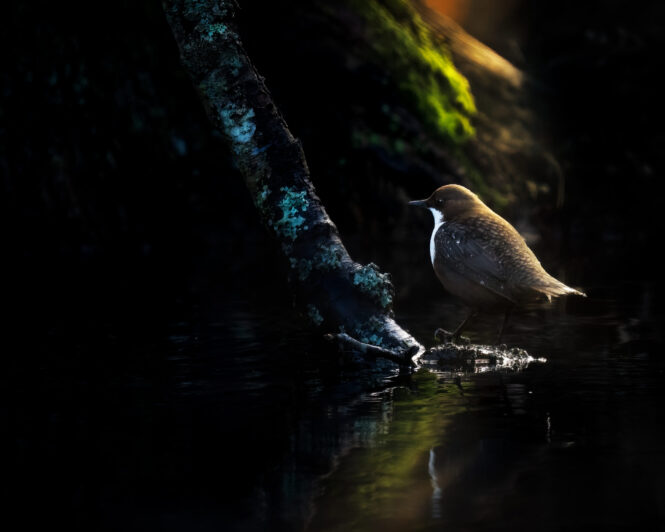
(476, 358)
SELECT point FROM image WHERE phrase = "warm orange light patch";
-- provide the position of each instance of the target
(455, 9)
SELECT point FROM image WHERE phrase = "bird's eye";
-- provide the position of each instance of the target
(439, 201)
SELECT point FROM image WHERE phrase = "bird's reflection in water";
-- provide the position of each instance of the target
(432, 455)
(245, 398)
(436, 489)
(483, 447)
(387, 483)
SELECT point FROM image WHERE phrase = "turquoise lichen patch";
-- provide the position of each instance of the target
(196, 10)
(204, 11)
(314, 315)
(303, 266)
(261, 198)
(259, 151)
(370, 331)
(237, 122)
(371, 281)
(293, 204)
(235, 64)
(287, 248)
(327, 258)
(238, 126)
(212, 30)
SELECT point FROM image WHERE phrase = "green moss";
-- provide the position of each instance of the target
(371, 281)
(292, 204)
(497, 199)
(420, 65)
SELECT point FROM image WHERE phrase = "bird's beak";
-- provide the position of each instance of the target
(418, 203)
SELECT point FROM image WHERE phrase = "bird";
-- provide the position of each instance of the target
(480, 258)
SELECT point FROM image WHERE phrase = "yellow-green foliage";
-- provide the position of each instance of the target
(420, 66)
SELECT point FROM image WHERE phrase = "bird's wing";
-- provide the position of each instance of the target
(476, 255)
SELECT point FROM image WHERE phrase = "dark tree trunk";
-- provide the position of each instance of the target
(338, 295)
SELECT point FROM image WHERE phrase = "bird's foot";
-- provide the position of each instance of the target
(442, 336)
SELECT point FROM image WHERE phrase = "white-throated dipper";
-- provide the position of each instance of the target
(482, 259)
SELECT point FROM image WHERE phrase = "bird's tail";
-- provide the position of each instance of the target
(555, 288)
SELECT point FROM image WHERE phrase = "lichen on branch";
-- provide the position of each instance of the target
(376, 284)
(293, 205)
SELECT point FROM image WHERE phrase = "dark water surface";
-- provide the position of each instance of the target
(571, 444)
(225, 417)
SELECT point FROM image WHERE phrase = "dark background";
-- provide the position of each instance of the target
(123, 218)
(108, 159)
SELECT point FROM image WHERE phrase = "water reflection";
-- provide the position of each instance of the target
(382, 484)
(240, 422)
(436, 488)
(450, 358)
(571, 442)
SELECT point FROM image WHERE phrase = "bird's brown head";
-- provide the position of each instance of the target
(451, 201)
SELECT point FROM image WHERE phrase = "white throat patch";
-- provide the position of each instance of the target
(438, 222)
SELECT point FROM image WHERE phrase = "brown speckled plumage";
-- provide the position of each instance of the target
(479, 257)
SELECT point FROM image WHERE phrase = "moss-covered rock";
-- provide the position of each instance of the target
(420, 66)
(412, 102)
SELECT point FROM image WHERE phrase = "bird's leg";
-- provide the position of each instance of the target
(506, 317)
(461, 326)
(445, 336)
(442, 336)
